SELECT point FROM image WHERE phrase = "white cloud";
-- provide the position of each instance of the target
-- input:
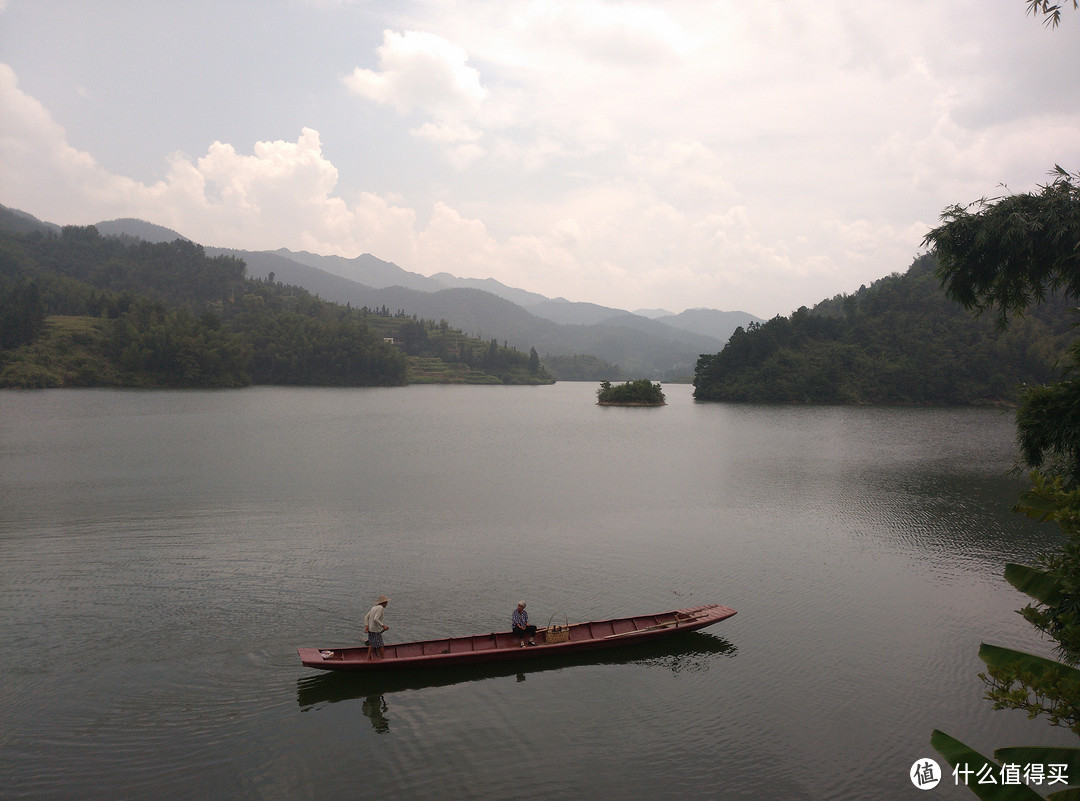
(683, 169)
(950, 154)
(285, 192)
(628, 34)
(673, 230)
(39, 169)
(459, 142)
(424, 72)
(447, 133)
(282, 191)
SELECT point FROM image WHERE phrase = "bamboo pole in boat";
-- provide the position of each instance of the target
(675, 622)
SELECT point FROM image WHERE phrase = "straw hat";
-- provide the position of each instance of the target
(383, 600)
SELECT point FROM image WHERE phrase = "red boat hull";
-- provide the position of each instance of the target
(504, 646)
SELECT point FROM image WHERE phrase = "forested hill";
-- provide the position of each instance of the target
(900, 340)
(81, 309)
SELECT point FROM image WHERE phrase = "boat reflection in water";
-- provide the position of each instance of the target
(687, 653)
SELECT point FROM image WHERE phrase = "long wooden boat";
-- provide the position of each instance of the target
(505, 646)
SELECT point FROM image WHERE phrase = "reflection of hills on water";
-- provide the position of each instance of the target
(687, 653)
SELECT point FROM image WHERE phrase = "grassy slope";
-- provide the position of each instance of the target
(70, 353)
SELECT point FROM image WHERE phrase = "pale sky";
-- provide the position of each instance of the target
(730, 155)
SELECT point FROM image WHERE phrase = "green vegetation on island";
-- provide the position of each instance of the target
(901, 340)
(633, 393)
(78, 309)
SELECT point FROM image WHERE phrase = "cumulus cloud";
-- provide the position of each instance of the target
(38, 168)
(281, 191)
(636, 237)
(422, 72)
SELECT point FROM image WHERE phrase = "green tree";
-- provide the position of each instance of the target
(902, 340)
(1009, 254)
(637, 393)
(1003, 256)
(22, 314)
(1006, 254)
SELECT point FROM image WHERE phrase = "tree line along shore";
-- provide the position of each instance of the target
(78, 309)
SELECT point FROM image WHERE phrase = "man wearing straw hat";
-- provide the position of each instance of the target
(374, 627)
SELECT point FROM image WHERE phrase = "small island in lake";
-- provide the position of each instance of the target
(633, 393)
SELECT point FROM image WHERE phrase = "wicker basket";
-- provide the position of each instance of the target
(557, 633)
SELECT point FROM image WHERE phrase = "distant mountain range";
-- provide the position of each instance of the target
(653, 343)
(369, 271)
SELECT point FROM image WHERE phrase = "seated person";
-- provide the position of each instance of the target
(519, 623)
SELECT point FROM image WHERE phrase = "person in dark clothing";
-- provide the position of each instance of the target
(519, 624)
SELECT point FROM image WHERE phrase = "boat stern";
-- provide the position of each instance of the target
(317, 657)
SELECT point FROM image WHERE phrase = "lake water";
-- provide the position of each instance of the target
(162, 555)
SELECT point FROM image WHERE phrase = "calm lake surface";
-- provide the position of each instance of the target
(162, 555)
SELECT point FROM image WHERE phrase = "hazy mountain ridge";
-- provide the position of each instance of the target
(658, 348)
(365, 269)
(380, 282)
(376, 273)
(22, 223)
(709, 322)
(138, 229)
(634, 343)
(652, 314)
(522, 297)
(568, 313)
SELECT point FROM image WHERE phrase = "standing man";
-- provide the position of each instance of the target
(519, 623)
(374, 627)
